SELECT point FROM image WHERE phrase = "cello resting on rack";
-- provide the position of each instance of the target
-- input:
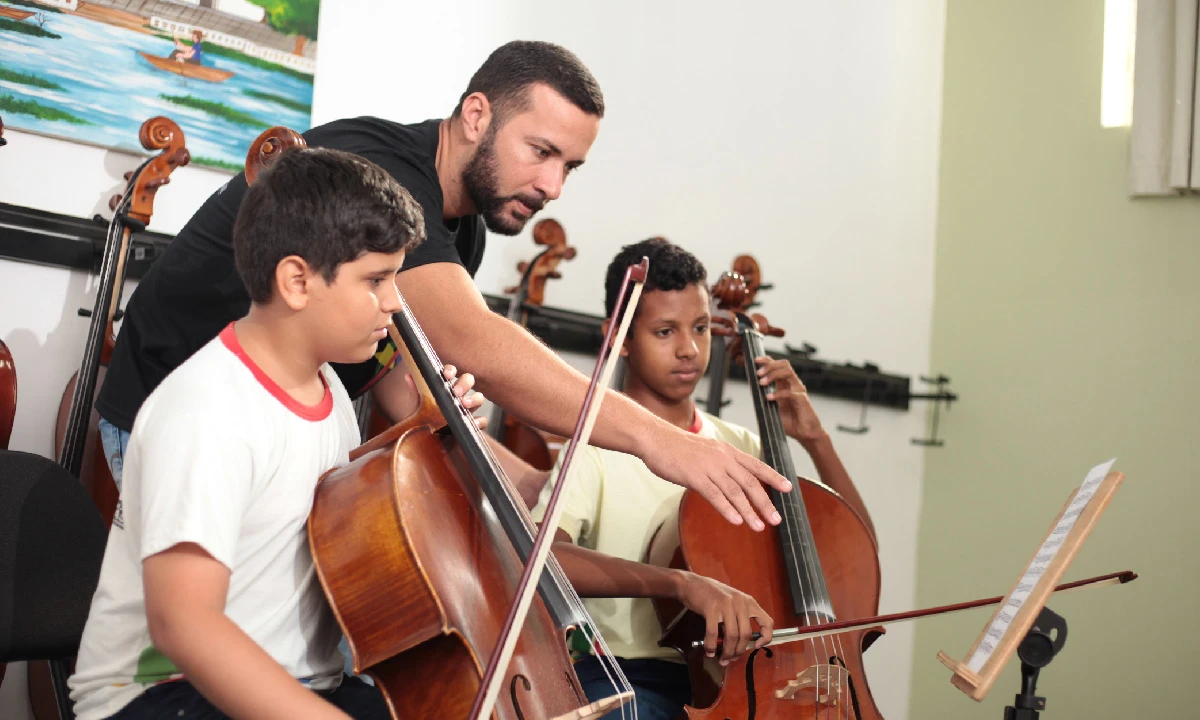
(532, 445)
(817, 565)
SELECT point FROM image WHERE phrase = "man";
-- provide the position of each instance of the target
(527, 119)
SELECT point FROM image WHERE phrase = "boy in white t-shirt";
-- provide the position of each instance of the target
(614, 504)
(208, 604)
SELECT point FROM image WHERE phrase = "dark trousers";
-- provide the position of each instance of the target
(661, 688)
(179, 700)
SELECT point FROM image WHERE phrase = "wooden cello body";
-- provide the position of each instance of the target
(818, 565)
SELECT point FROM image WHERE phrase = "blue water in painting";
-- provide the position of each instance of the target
(107, 83)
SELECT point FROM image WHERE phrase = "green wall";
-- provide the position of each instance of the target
(1067, 316)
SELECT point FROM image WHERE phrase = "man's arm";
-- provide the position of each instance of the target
(597, 575)
(185, 606)
(801, 423)
(530, 381)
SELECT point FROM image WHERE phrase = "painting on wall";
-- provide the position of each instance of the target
(92, 71)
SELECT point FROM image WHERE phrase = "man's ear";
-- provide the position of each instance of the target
(292, 277)
(476, 116)
(624, 351)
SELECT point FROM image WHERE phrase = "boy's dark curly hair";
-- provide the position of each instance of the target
(671, 268)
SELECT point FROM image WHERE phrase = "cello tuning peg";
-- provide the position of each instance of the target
(555, 275)
(113, 202)
(522, 266)
(510, 290)
(569, 253)
(128, 175)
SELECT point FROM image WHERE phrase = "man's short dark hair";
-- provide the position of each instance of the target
(326, 206)
(671, 268)
(505, 78)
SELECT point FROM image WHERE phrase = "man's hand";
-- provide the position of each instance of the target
(726, 477)
(800, 420)
(721, 605)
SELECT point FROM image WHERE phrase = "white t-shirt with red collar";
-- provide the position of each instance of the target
(222, 457)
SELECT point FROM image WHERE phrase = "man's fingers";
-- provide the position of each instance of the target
(734, 491)
(716, 497)
(755, 494)
(764, 473)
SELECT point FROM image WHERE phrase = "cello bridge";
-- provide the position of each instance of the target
(819, 685)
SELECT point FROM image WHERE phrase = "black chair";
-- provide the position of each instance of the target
(51, 544)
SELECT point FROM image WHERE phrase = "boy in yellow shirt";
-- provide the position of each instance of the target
(614, 504)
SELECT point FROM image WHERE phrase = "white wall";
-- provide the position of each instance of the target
(804, 133)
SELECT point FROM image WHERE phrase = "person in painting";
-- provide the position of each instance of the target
(183, 53)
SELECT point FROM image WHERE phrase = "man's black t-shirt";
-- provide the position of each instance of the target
(193, 290)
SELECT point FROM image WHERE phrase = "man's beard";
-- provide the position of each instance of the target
(481, 179)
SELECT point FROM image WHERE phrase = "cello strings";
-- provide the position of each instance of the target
(796, 520)
(612, 670)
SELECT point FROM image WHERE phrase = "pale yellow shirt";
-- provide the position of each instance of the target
(613, 504)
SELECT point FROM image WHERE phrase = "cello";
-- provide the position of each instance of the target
(818, 564)
(529, 444)
(416, 539)
(132, 213)
(77, 436)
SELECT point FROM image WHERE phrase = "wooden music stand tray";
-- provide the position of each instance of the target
(1024, 602)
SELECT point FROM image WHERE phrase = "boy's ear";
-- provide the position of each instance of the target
(292, 277)
(624, 351)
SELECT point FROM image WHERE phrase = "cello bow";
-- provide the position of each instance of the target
(489, 688)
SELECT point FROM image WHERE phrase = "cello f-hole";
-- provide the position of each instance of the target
(512, 689)
(850, 681)
(751, 699)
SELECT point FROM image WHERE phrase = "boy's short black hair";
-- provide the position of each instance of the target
(505, 77)
(326, 206)
(671, 268)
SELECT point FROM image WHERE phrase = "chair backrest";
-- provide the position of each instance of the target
(52, 541)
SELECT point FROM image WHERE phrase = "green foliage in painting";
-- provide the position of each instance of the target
(27, 29)
(16, 106)
(215, 109)
(293, 17)
(27, 79)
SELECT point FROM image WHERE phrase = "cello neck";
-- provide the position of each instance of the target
(810, 595)
(116, 247)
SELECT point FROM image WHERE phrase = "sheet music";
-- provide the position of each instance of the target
(1045, 555)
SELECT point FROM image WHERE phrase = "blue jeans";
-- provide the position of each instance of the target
(661, 688)
(180, 699)
(115, 442)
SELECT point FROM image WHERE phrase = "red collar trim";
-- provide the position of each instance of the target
(697, 421)
(316, 413)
